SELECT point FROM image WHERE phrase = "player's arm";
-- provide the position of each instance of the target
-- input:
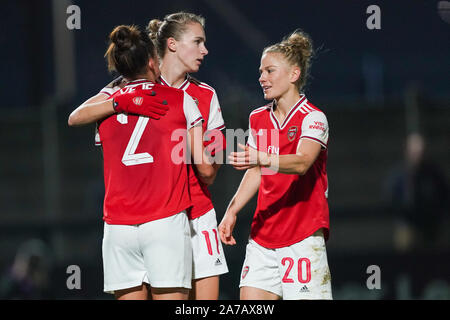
(314, 138)
(205, 169)
(214, 144)
(140, 102)
(298, 163)
(93, 109)
(247, 189)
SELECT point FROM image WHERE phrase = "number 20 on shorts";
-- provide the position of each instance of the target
(304, 269)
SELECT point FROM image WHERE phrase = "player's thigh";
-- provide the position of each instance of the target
(251, 293)
(260, 270)
(123, 265)
(169, 293)
(205, 288)
(167, 251)
(135, 293)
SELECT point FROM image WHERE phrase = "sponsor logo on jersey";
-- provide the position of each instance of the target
(317, 125)
(195, 100)
(138, 100)
(245, 271)
(292, 132)
(273, 150)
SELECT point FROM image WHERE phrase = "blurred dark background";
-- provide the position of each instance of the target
(385, 92)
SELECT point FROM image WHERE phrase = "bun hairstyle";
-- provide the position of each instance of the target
(297, 48)
(129, 51)
(173, 26)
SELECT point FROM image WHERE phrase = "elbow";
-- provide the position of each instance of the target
(207, 175)
(72, 121)
(301, 170)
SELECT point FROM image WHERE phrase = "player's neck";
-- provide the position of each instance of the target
(285, 103)
(172, 73)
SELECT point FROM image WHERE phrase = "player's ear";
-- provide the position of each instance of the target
(172, 44)
(153, 64)
(295, 74)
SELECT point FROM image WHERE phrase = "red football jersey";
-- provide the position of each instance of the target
(142, 182)
(208, 104)
(290, 207)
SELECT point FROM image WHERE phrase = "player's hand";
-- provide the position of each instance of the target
(214, 142)
(226, 227)
(248, 158)
(141, 102)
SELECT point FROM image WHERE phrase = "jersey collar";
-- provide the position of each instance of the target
(289, 115)
(137, 81)
(183, 86)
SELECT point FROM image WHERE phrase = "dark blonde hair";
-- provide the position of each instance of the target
(297, 48)
(129, 51)
(173, 26)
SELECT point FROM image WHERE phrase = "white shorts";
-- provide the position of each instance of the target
(158, 252)
(299, 271)
(208, 257)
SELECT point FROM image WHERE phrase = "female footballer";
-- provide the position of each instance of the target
(146, 239)
(285, 161)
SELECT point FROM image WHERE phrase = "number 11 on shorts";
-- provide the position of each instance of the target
(208, 241)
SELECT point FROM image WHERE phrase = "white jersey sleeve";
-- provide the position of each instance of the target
(251, 139)
(315, 127)
(191, 111)
(108, 90)
(215, 120)
(113, 86)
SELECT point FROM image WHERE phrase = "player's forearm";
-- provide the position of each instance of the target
(205, 170)
(288, 164)
(94, 109)
(247, 189)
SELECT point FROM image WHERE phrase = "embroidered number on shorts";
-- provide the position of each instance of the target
(302, 262)
(130, 158)
(208, 241)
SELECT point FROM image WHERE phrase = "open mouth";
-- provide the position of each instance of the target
(266, 88)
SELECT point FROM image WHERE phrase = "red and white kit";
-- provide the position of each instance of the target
(147, 236)
(141, 181)
(209, 259)
(291, 208)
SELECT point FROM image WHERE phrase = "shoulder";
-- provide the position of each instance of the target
(309, 112)
(201, 86)
(260, 111)
(159, 88)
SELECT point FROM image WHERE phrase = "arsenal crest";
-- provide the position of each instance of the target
(245, 271)
(292, 133)
(138, 100)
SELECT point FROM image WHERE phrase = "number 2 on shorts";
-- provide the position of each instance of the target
(302, 261)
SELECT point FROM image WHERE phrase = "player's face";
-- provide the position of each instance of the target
(191, 47)
(275, 74)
